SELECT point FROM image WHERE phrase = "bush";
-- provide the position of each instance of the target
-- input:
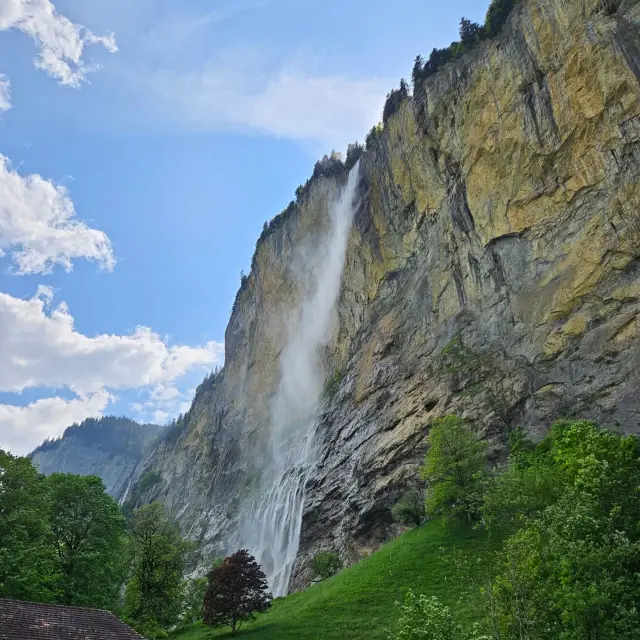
(324, 565)
(193, 606)
(454, 468)
(410, 508)
(423, 618)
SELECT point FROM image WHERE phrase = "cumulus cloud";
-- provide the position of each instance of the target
(290, 103)
(5, 93)
(22, 428)
(39, 228)
(41, 348)
(60, 42)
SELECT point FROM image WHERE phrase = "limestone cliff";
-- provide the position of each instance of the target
(493, 270)
(109, 447)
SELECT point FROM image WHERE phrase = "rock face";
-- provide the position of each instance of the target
(493, 271)
(110, 448)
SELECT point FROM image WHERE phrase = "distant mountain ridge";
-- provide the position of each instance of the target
(110, 447)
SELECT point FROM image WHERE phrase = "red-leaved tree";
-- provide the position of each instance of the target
(236, 590)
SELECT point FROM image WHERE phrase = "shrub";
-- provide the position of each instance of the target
(410, 508)
(423, 618)
(237, 589)
(324, 565)
(148, 481)
(454, 468)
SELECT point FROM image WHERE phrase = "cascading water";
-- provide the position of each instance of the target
(270, 523)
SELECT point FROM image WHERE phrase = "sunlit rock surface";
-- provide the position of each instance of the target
(493, 270)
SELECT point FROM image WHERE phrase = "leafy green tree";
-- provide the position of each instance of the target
(27, 561)
(417, 72)
(89, 538)
(236, 590)
(572, 571)
(424, 618)
(394, 99)
(154, 594)
(325, 564)
(454, 468)
(410, 508)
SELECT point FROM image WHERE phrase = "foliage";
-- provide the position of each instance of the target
(149, 480)
(410, 508)
(470, 34)
(27, 561)
(373, 136)
(88, 535)
(571, 571)
(325, 564)
(111, 434)
(394, 99)
(236, 590)
(193, 607)
(469, 31)
(497, 15)
(329, 166)
(154, 593)
(424, 618)
(354, 153)
(454, 468)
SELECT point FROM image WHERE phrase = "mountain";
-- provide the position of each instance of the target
(108, 447)
(480, 257)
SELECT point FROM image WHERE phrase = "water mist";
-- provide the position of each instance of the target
(270, 523)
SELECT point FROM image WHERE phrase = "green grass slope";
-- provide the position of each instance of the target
(448, 562)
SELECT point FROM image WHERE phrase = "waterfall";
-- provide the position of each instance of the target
(271, 521)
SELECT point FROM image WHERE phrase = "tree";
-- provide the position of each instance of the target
(417, 71)
(410, 509)
(571, 571)
(325, 564)
(88, 535)
(468, 31)
(394, 99)
(154, 593)
(27, 562)
(236, 591)
(497, 15)
(454, 468)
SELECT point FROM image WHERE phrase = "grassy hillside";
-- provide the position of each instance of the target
(359, 602)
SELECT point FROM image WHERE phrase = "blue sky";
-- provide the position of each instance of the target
(135, 182)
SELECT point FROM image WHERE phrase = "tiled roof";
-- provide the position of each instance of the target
(32, 621)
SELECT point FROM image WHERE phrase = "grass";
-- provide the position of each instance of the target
(449, 562)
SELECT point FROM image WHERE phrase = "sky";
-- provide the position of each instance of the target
(143, 144)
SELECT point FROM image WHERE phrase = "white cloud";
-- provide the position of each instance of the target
(231, 93)
(60, 41)
(22, 428)
(41, 348)
(5, 93)
(38, 225)
(160, 417)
